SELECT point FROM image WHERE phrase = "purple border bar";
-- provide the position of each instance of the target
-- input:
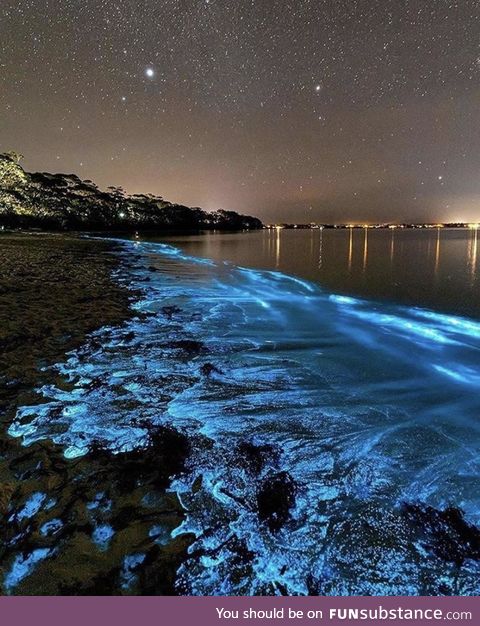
(186, 611)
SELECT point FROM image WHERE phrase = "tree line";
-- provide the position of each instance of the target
(66, 202)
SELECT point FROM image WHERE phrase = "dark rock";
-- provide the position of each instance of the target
(255, 458)
(243, 556)
(446, 533)
(169, 311)
(312, 585)
(163, 456)
(208, 368)
(275, 498)
(157, 573)
(95, 383)
(190, 346)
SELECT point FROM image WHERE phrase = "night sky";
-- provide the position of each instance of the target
(305, 110)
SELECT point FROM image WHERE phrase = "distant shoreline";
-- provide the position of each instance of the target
(5, 230)
(405, 226)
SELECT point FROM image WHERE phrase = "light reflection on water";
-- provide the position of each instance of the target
(368, 404)
(436, 268)
(472, 254)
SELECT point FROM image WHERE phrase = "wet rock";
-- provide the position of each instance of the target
(208, 369)
(91, 345)
(255, 458)
(163, 456)
(312, 584)
(190, 346)
(96, 383)
(237, 562)
(446, 533)
(170, 311)
(275, 498)
(197, 484)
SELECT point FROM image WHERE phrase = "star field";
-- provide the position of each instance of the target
(308, 110)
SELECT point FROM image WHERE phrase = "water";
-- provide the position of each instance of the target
(435, 268)
(367, 405)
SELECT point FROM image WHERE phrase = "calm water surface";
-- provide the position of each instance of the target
(436, 268)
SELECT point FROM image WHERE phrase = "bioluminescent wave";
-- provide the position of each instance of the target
(349, 409)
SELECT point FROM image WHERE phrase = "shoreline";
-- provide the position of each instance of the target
(101, 522)
(59, 516)
(170, 425)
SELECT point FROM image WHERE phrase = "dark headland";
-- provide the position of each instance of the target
(64, 202)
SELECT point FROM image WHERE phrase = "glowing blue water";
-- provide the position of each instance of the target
(23, 566)
(369, 405)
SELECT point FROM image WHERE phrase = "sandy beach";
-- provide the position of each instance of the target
(54, 290)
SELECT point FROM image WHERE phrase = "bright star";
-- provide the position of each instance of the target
(150, 72)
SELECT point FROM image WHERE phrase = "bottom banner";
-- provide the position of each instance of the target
(219, 611)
